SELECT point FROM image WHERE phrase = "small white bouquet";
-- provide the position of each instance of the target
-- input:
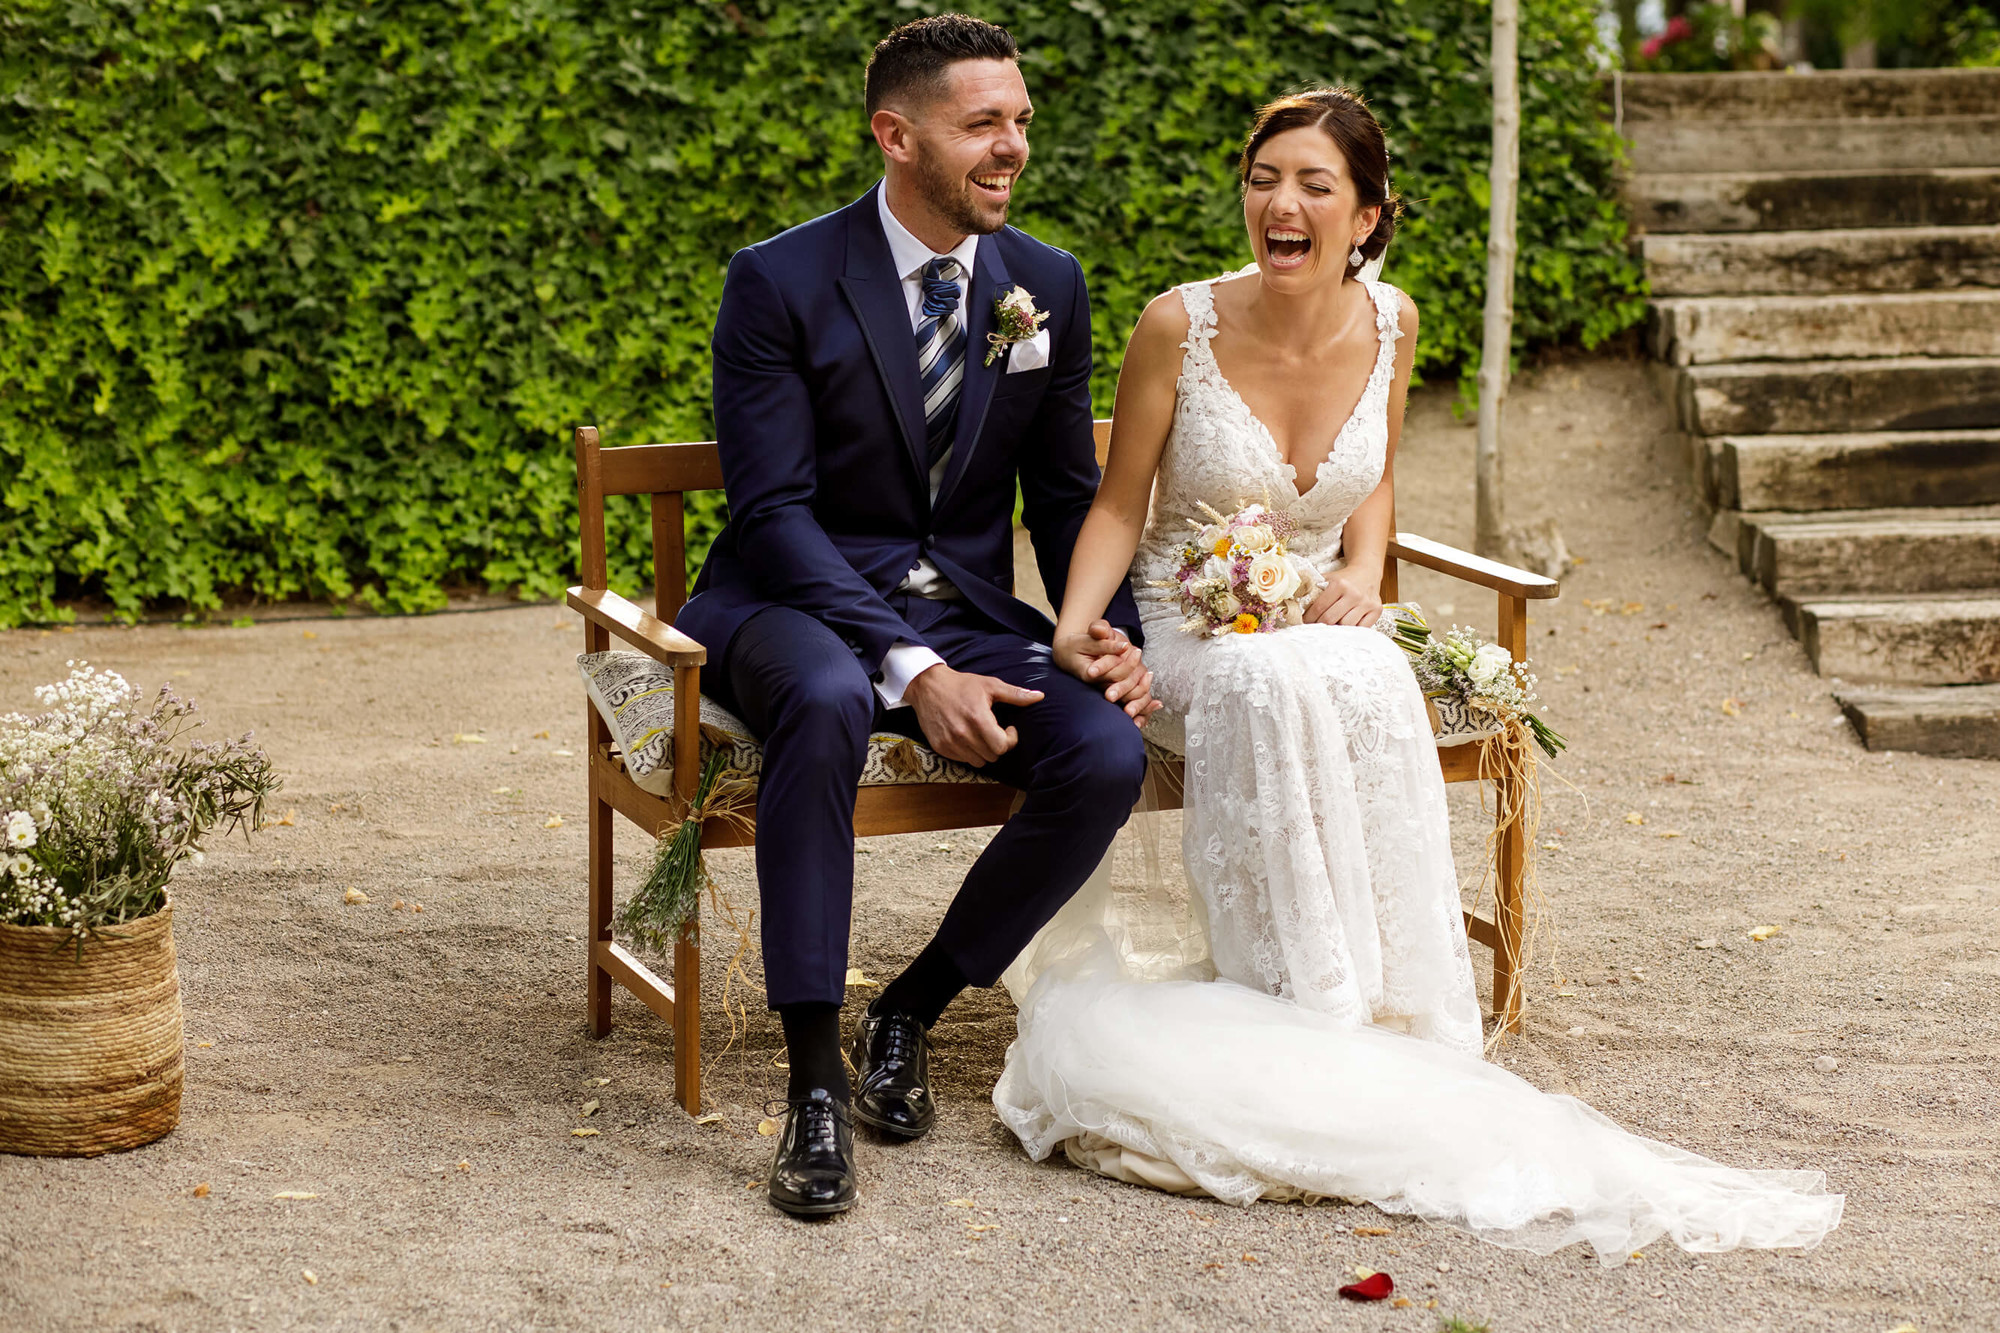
(1459, 664)
(1236, 577)
(99, 801)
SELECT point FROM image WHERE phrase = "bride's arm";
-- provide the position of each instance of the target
(1353, 594)
(1139, 422)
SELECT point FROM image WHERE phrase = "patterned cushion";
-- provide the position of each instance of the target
(635, 696)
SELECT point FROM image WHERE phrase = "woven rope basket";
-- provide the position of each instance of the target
(90, 1051)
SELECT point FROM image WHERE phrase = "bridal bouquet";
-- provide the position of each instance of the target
(1236, 576)
(99, 801)
(1459, 664)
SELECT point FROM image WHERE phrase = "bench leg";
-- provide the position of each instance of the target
(599, 1004)
(687, 1018)
(1509, 889)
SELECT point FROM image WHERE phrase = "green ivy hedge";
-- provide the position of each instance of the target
(299, 300)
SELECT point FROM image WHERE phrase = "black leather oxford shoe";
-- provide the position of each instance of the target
(892, 1090)
(813, 1172)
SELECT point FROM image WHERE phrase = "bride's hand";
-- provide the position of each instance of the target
(1349, 598)
(1104, 656)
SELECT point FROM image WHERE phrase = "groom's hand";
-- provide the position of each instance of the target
(1103, 656)
(955, 710)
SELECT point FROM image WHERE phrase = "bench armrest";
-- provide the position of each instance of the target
(1471, 568)
(638, 627)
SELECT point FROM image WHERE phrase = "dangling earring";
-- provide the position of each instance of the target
(1354, 257)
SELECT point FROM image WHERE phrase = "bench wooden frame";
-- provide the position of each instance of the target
(665, 473)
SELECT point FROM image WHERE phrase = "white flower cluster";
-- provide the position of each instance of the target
(25, 891)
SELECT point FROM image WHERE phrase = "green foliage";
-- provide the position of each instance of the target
(299, 300)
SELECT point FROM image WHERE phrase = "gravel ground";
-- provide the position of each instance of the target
(420, 1072)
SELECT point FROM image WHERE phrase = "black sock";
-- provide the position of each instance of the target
(812, 1048)
(927, 985)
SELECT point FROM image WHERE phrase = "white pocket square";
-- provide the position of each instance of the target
(1031, 354)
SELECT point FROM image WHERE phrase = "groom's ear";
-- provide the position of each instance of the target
(893, 133)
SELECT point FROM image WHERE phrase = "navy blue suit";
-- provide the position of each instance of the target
(819, 422)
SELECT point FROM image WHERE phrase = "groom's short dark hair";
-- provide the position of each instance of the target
(911, 61)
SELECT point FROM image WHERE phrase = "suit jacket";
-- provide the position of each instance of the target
(819, 421)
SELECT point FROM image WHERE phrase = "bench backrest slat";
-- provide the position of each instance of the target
(663, 472)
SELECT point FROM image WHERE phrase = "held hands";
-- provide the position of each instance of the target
(1350, 597)
(955, 710)
(1103, 656)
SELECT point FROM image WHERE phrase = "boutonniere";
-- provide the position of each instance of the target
(1018, 319)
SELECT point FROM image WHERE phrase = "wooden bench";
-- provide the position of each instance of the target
(665, 473)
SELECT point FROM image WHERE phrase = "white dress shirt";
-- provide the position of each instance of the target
(905, 661)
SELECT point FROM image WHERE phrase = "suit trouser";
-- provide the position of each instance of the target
(1080, 762)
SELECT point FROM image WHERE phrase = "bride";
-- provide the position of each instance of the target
(1305, 1025)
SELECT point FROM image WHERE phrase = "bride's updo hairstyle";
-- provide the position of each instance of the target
(1343, 116)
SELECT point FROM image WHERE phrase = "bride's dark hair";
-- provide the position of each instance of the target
(1343, 116)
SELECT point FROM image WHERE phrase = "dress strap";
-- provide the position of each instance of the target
(1198, 299)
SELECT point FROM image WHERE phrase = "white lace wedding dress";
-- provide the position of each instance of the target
(1302, 1022)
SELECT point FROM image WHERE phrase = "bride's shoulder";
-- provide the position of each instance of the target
(1397, 303)
(1164, 321)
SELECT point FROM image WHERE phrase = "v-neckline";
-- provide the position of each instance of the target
(1271, 439)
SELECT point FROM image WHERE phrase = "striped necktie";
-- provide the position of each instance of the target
(940, 354)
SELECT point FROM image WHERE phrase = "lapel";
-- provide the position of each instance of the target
(989, 280)
(875, 291)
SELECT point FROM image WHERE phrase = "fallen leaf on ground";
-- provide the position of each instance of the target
(1363, 1274)
(856, 977)
(541, 735)
(1371, 1231)
(203, 1045)
(1400, 1303)
(201, 1190)
(1637, 1255)
(396, 906)
(416, 906)
(465, 1165)
(751, 1184)
(1732, 707)
(1704, 944)
(1670, 833)
(712, 1118)
(467, 738)
(563, 754)
(310, 635)
(1635, 818)
(289, 819)
(767, 1127)
(958, 1203)
(312, 1278)
(1762, 933)
(595, 1082)
(1374, 1287)
(294, 1194)
(1566, 995)
(583, 1133)
(590, 1108)
(984, 1226)
(500, 791)
(553, 821)
(1552, 846)
(1251, 1259)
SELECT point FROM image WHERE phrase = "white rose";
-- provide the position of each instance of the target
(1256, 538)
(1488, 663)
(1272, 578)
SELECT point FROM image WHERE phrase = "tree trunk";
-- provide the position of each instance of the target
(1497, 348)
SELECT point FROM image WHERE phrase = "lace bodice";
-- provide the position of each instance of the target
(1218, 452)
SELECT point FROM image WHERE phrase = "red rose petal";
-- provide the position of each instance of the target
(1373, 1288)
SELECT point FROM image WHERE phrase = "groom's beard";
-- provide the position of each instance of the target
(954, 199)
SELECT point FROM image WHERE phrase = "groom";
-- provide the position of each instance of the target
(872, 430)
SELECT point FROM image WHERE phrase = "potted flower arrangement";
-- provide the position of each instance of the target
(101, 798)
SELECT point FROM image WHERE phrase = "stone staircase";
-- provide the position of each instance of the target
(1824, 255)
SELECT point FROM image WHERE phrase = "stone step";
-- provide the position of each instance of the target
(1845, 260)
(1922, 639)
(1701, 330)
(1804, 473)
(1887, 393)
(1739, 201)
(1826, 94)
(1666, 146)
(1955, 721)
(1866, 552)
